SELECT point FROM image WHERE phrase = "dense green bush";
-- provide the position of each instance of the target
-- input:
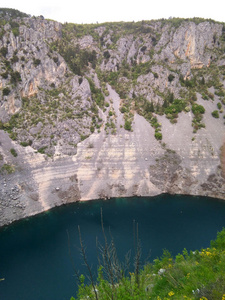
(127, 125)
(15, 77)
(4, 51)
(176, 107)
(171, 77)
(215, 114)
(198, 109)
(6, 91)
(36, 62)
(158, 135)
(5, 75)
(97, 95)
(219, 105)
(13, 152)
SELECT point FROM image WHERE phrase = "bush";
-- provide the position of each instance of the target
(171, 77)
(106, 54)
(198, 109)
(215, 114)
(36, 62)
(4, 51)
(15, 77)
(42, 149)
(8, 169)
(14, 59)
(25, 144)
(13, 152)
(219, 105)
(158, 135)
(5, 75)
(177, 106)
(16, 31)
(6, 91)
(127, 125)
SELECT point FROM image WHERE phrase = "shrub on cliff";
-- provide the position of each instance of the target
(6, 91)
(215, 114)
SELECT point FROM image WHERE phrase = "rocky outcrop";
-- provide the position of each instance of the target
(105, 111)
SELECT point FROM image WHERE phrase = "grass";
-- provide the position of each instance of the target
(190, 275)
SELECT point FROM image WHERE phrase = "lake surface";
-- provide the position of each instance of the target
(34, 253)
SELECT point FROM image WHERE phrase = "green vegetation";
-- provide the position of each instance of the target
(136, 77)
(7, 169)
(42, 150)
(191, 275)
(219, 105)
(97, 95)
(77, 59)
(36, 62)
(6, 91)
(127, 125)
(4, 51)
(13, 152)
(13, 13)
(15, 77)
(215, 114)
(198, 109)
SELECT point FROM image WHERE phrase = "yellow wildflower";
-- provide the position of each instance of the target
(223, 297)
(171, 293)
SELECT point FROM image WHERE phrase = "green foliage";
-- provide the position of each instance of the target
(25, 144)
(13, 13)
(97, 95)
(14, 59)
(15, 77)
(158, 135)
(5, 75)
(36, 62)
(219, 105)
(16, 31)
(127, 125)
(4, 51)
(7, 169)
(112, 78)
(42, 150)
(176, 107)
(171, 77)
(13, 152)
(106, 54)
(123, 109)
(77, 59)
(198, 109)
(215, 114)
(191, 275)
(6, 91)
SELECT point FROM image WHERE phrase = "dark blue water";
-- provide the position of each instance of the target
(34, 253)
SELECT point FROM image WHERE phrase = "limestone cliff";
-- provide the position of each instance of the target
(108, 110)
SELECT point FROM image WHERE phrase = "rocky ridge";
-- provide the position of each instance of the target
(108, 110)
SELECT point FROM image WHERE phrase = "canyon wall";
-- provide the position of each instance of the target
(109, 110)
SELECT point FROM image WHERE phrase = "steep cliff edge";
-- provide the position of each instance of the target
(108, 110)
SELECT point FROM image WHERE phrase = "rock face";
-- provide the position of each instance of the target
(100, 111)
